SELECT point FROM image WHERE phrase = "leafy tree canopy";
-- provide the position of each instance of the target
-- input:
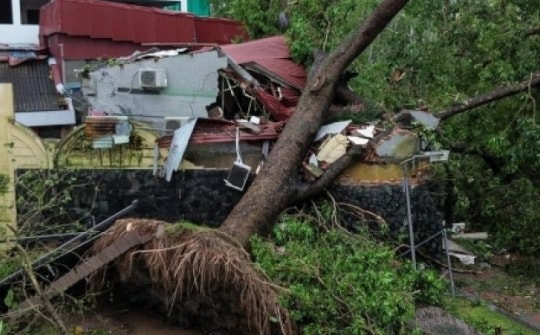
(433, 55)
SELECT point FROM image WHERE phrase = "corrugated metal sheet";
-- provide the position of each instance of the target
(178, 147)
(33, 87)
(119, 22)
(129, 23)
(72, 48)
(220, 31)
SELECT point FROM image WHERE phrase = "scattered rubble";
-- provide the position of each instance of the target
(202, 94)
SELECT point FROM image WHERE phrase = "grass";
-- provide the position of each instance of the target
(484, 319)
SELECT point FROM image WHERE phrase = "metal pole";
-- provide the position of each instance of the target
(39, 237)
(416, 246)
(406, 186)
(452, 286)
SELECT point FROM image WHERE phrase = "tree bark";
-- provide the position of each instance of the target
(532, 32)
(277, 185)
(344, 94)
(494, 95)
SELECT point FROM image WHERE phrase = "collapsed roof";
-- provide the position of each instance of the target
(256, 78)
(270, 57)
(237, 92)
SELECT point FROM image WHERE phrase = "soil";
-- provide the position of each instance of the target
(124, 322)
(516, 296)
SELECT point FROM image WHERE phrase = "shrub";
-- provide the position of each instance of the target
(342, 283)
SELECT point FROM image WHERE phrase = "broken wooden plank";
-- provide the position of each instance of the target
(471, 236)
(86, 267)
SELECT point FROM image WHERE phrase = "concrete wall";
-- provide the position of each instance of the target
(19, 148)
(116, 90)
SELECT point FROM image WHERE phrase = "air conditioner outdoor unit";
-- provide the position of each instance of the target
(175, 122)
(152, 78)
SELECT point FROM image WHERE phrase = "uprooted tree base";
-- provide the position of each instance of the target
(197, 277)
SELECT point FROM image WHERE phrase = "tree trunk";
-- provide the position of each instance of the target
(278, 184)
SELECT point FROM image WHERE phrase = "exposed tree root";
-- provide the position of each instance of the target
(193, 266)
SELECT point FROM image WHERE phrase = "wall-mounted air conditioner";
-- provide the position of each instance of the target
(175, 122)
(152, 78)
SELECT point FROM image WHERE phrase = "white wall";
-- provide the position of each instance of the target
(26, 34)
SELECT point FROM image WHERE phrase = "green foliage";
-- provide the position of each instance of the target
(4, 183)
(45, 203)
(340, 283)
(259, 16)
(528, 268)
(435, 54)
(8, 264)
(9, 299)
(485, 319)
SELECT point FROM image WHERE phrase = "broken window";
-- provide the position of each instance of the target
(30, 11)
(6, 14)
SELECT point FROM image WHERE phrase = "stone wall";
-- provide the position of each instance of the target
(201, 196)
(388, 201)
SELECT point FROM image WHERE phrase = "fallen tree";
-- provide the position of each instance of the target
(191, 269)
(194, 266)
(278, 185)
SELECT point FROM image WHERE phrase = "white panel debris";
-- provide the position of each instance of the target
(331, 129)
(178, 148)
(366, 132)
(333, 148)
(358, 140)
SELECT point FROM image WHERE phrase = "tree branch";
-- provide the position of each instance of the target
(494, 95)
(532, 31)
(308, 190)
(27, 265)
(495, 164)
(344, 94)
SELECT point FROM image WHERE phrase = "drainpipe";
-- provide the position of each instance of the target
(63, 68)
(55, 70)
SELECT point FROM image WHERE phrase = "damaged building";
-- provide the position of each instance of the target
(182, 126)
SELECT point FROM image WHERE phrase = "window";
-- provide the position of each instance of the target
(30, 11)
(32, 16)
(174, 6)
(6, 15)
